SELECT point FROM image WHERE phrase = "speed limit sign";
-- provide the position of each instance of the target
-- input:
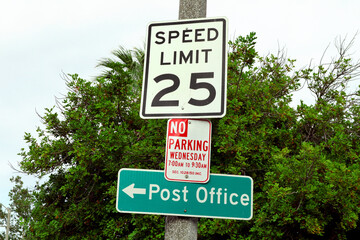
(185, 69)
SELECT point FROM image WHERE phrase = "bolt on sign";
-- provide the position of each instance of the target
(185, 73)
(188, 145)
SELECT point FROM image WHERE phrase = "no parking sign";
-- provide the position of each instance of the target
(188, 145)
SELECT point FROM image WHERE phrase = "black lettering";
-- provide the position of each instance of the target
(157, 102)
(185, 58)
(198, 33)
(185, 35)
(209, 34)
(174, 58)
(173, 35)
(162, 60)
(158, 35)
(206, 51)
(194, 84)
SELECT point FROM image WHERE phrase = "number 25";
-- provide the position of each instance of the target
(157, 102)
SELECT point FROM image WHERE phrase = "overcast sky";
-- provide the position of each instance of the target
(42, 39)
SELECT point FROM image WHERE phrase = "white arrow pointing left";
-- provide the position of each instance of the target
(131, 190)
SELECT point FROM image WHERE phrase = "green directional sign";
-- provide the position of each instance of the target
(148, 192)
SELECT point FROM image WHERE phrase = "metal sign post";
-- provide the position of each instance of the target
(179, 227)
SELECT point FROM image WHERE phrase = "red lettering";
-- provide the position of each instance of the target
(189, 147)
(206, 145)
(198, 145)
(171, 142)
(177, 144)
(183, 144)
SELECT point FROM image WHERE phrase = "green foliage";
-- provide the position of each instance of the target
(304, 161)
(20, 210)
(95, 133)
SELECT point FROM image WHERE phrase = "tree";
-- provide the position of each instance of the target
(96, 132)
(21, 202)
(130, 60)
(304, 161)
(4, 216)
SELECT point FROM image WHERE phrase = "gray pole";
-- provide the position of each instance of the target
(192, 9)
(185, 228)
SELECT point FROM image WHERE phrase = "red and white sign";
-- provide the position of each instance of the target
(188, 145)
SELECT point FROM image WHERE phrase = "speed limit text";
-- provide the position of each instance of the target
(186, 36)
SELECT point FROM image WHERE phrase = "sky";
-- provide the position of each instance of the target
(40, 40)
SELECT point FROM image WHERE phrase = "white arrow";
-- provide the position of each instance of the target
(130, 190)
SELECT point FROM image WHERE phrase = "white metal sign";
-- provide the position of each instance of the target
(185, 72)
(188, 145)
